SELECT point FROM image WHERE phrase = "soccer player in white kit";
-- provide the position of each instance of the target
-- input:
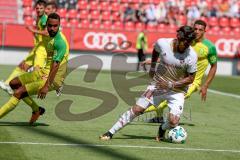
(176, 70)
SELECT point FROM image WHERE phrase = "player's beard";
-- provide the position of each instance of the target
(52, 33)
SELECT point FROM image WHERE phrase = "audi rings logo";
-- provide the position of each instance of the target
(227, 47)
(98, 40)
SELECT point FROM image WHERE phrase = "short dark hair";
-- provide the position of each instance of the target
(41, 2)
(54, 16)
(186, 33)
(52, 3)
(201, 22)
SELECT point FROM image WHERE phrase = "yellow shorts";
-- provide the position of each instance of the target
(32, 81)
(37, 57)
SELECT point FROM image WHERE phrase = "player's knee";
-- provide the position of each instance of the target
(20, 93)
(13, 83)
(137, 110)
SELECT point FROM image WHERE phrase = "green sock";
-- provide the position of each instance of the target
(30, 102)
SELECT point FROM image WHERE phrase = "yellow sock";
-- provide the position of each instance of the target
(16, 72)
(150, 109)
(193, 88)
(160, 108)
(30, 102)
(9, 106)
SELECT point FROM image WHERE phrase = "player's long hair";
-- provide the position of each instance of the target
(186, 33)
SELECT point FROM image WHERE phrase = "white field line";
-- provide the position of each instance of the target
(224, 93)
(122, 146)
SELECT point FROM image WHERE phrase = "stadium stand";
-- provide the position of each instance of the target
(109, 14)
(8, 11)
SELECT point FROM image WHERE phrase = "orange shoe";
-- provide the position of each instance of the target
(36, 115)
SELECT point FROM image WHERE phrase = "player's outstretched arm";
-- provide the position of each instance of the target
(210, 77)
(155, 56)
(36, 31)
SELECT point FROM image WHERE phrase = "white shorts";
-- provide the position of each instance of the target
(154, 97)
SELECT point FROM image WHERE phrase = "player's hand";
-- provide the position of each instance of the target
(147, 62)
(30, 28)
(43, 92)
(203, 92)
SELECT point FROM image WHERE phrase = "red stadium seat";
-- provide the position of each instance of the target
(114, 6)
(182, 19)
(129, 26)
(84, 24)
(161, 28)
(151, 28)
(27, 3)
(82, 5)
(104, 6)
(94, 14)
(117, 25)
(223, 22)
(146, 1)
(96, 24)
(64, 22)
(116, 16)
(74, 22)
(27, 11)
(226, 31)
(203, 18)
(83, 14)
(172, 28)
(62, 12)
(125, 1)
(72, 14)
(106, 25)
(213, 21)
(236, 31)
(28, 20)
(135, 6)
(93, 5)
(106, 15)
(234, 22)
(140, 26)
(215, 30)
(188, 3)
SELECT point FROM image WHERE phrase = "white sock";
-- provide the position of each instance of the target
(126, 118)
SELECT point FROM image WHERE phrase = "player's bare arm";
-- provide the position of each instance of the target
(155, 56)
(36, 31)
(163, 84)
(210, 77)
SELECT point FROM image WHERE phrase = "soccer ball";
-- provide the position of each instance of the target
(177, 135)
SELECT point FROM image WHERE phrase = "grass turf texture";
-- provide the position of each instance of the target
(213, 125)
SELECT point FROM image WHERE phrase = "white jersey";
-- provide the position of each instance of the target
(174, 66)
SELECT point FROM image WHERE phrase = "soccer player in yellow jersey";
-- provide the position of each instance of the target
(207, 54)
(38, 54)
(51, 7)
(40, 80)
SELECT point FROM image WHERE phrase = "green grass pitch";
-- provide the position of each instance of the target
(212, 126)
